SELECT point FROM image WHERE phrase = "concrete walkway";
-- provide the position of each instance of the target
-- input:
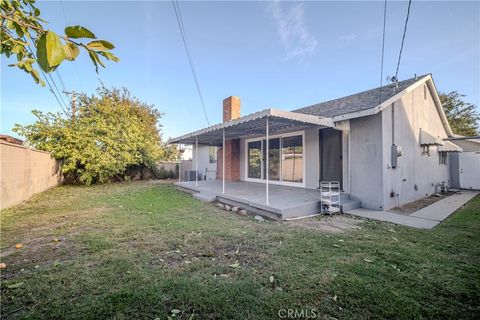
(440, 210)
(425, 218)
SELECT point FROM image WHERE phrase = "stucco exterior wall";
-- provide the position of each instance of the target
(312, 155)
(25, 172)
(204, 166)
(417, 175)
(366, 182)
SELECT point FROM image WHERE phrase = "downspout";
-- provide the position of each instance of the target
(179, 165)
(348, 164)
(392, 192)
(223, 163)
(267, 164)
(196, 161)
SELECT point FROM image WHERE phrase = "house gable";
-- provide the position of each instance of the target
(418, 173)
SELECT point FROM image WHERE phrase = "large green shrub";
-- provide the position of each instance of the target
(109, 132)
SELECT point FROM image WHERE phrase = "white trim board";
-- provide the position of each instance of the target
(278, 182)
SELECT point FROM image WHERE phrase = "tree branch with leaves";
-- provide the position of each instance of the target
(462, 116)
(24, 35)
(112, 132)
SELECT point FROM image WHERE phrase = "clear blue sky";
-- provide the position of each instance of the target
(284, 55)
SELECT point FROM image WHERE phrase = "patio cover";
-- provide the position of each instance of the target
(449, 147)
(254, 125)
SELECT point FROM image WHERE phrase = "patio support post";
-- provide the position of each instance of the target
(223, 162)
(196, 162)
(267, 164)
(179, 165)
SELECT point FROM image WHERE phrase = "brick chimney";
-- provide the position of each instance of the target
(231, 108)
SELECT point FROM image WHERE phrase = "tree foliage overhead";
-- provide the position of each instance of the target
(462, 116)
(23, 35)
(110, 132)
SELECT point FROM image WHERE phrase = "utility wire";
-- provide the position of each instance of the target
(61, 80)
(383, 50)
(58, 91)
(178, 15)
(59, 76)
(76, 65)
(63, 12)
(403, 38)
(48, 82)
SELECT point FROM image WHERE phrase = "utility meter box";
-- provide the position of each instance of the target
(396, 152)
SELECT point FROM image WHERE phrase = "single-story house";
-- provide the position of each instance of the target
(385, 146)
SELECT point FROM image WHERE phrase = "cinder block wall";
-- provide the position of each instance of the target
(25, 172)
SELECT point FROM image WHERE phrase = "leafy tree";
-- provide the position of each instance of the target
(22, 28)
(462, 116)
(110, 132)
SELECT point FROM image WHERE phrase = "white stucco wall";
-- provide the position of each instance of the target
(366, 182)
(204, 166)
(311, 154)
(417, 175)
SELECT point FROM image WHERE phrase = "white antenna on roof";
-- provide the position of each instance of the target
(394, 81)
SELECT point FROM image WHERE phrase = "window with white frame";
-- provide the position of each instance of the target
(212, 154)
(285, 157)
(442, 157)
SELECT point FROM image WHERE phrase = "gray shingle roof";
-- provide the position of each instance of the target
(358, 101)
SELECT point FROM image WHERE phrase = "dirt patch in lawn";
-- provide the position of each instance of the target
(327, 224)
(420, 204)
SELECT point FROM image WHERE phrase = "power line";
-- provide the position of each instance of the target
(63, 12)
(383, 50)
(403, 38)
(48, 82)
(178, 15)
(59, 76)
(58, 91)
(61, 80)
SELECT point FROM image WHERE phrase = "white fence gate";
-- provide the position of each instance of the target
(469, 169)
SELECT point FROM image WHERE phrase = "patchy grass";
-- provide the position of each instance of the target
(139, 251)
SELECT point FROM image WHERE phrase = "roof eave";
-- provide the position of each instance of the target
(372, 111)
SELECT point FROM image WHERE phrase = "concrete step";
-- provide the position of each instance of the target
(344, 196)
(301, 210)
(350, 204)
(251, 209)
(205, 196)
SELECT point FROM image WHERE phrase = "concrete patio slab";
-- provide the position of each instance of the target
(285, 202)
(405, 220)
(440, 210)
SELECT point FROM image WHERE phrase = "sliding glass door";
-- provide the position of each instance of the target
(292, 159)
(285, 159)
(255, 160)
(273, 159)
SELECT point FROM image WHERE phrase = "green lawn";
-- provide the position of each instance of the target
(139, 251)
